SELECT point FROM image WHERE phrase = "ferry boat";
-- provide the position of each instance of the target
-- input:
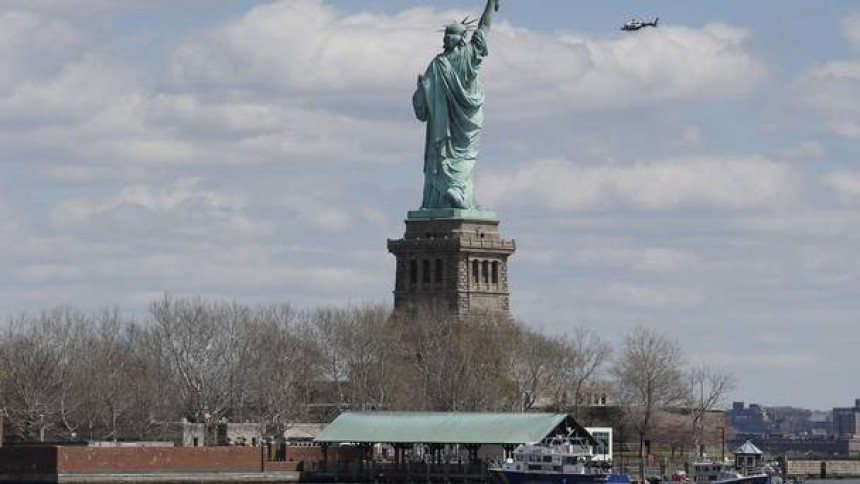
(560, 460)
(710, 472)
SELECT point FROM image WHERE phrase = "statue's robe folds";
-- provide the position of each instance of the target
(450, 99)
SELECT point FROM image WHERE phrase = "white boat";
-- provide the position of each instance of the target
(560, 459)
(711, 472)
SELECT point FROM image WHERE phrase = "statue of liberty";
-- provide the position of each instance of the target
(450, 99)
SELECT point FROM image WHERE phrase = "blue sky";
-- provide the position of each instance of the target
(701, 178)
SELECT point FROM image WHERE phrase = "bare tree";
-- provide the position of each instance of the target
(38, 355)
(429, 356)
(448, 363)
(482, 343)
(365, 352)
(284, 364)
(584, 355)
(706, 388)
(330, 333)
(100, 379)
(204, 348)
(535, 364)
(648, 374)
(112, 375)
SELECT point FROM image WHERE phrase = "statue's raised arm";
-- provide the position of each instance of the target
(487, 17)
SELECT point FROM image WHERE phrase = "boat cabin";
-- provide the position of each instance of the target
(707, 471)
(559, 454)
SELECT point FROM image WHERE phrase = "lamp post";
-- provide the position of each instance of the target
(723, 443)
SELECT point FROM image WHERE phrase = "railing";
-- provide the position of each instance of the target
(369, 471)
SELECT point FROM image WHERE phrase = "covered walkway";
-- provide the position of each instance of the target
(433, 436)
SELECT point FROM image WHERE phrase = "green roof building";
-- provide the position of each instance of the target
(506, 429)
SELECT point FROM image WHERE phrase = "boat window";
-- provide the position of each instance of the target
(533, 467)
(556, 468)
(570, 460)
(547, 458)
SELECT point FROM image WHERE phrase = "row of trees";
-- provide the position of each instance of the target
(66, 374)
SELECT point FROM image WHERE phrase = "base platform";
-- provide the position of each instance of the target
(477, 214)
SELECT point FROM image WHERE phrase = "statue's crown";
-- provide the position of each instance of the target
(461, 27)
(455, 28)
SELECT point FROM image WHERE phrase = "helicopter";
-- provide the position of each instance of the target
(636, 24)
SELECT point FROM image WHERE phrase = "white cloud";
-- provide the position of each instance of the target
(637, 259)
(775, 360)
(808, 149)
(50, 272)
(846, 129)
(650, 296)
(32, 46)
(89, 7)
(538, 71)
(246, 266)
(307, 45)
(846, 184)
(830, 91)
(192, 209)
(851, 29)
(728, 183)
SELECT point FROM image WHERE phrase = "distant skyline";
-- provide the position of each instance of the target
(702, 178)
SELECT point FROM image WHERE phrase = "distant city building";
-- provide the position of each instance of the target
(821, 424)
(597, 394)
(793, 431)
(301, 433)
(846, 422)
(250, 434)
(181, 434)
(749, 420)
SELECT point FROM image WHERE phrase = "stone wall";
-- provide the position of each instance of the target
(822, 468)
(53, 460)
(311, 457)
(812, 447)
(88, 460)
(28, 461)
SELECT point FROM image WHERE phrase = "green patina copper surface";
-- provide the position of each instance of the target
(450, 99)
(478, 214)
(444, 427)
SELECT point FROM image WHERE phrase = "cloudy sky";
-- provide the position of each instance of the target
(702, 178)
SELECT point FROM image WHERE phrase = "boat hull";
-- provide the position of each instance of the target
(511, 477)
(757, 479)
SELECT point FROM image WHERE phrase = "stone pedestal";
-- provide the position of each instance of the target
(457, 263)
